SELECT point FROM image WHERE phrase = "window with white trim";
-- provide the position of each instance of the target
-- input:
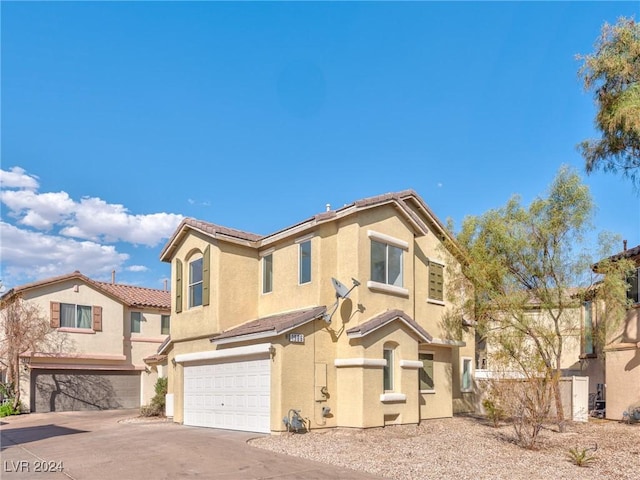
(388, 380)
(386, 263)
(75, 316)
(304, 275)
(136, 319)
(195, 283)
(267, 273)
(426, 372)
(466, 385)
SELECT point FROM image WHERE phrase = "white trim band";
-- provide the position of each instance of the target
(360, 362)
(260, 348)
(393, 397)
(383, 287)
(381, 237)
(411, 364)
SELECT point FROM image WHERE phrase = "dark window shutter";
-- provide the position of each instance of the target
(426, 373)
(435, 281)
(206, 277)
(178, 286)
(97, 319)
(55, 315)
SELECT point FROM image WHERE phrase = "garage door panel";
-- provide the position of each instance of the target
(235, 395)
(73, 390)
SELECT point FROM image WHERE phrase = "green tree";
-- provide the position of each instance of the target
(612, 72)
(524, 265)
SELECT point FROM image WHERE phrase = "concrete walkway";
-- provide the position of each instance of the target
(100, 446)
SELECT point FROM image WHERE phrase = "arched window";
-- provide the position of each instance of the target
(195, 281)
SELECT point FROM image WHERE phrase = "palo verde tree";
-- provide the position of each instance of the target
(612, 72)
(23, 328)
(524, 264)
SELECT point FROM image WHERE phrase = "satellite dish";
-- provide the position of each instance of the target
(341, 289)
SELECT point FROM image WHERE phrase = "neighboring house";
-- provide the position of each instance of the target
(622, 351)
(578, 392)
(571, 331)
(93, 358)
(259, 334)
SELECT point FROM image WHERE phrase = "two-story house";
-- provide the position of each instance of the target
(621, 360)
(93, 357)
(260, 331)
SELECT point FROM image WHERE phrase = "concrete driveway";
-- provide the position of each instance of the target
(99, 446)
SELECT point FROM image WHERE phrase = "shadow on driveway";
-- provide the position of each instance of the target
(17, 436)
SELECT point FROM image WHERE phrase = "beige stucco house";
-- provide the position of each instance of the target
(260, 331)
(100, 335)
(622, 351)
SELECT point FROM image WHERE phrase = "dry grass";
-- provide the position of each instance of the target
(469, 448)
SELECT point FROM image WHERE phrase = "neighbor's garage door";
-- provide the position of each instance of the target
(71, 390)
(228, 394)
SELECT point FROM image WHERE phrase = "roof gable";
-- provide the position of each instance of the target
(385, 318)
(408, 204)
(129, 295)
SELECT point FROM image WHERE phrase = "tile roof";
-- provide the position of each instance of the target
(273, 324)
(138, 296)
(407, 202)
(382, 319)
(628, 253)
(213, 229)
(130, 295)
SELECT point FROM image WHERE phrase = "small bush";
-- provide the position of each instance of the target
(494, 411)
(7, 409)
(156, 408)
(582, 456)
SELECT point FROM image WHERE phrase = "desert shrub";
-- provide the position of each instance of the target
(493, 410)
(582, 457)
(157, 405)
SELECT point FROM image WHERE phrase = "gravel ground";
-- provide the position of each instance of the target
(469, 448)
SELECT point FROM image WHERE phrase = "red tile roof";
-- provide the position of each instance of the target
(138, 296)
(130, 295)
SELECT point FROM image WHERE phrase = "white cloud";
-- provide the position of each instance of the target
(137, 268)
(38, 210)
(47, 234)
(28, 255)
(91, 218)
(96, 219)
(16, 177)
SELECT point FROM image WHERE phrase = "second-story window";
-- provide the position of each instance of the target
(588, 329)
(195, 283)
(165, 325)
(633, 293)
(305, 262)
(136, 319)
(267, 273)
(386, 264)
(75, 316)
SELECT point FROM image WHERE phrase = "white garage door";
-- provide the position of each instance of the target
(233, 395)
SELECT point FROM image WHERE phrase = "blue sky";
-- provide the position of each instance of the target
(119, 119)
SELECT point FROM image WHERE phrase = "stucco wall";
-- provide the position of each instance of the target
(82, 341)
(623, 380)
